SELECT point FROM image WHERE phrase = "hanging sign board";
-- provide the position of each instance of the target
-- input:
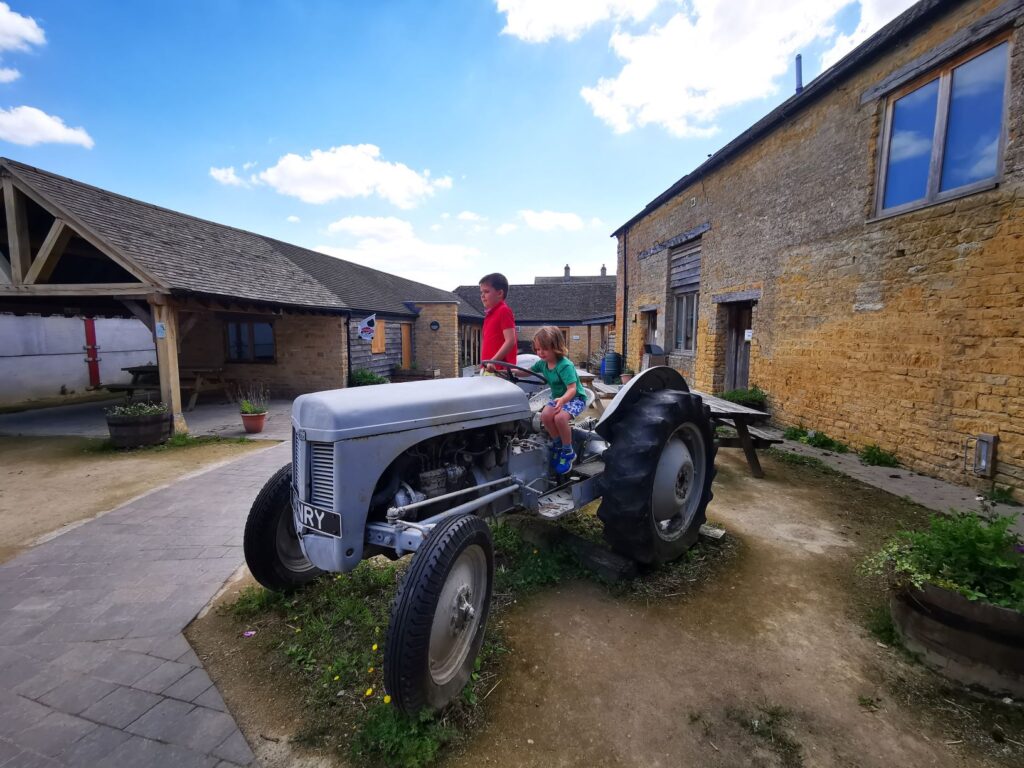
(368, 328)
(748, 334)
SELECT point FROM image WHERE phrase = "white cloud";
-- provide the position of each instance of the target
(445, 182)
(17, 32)
(249, 165)
(537, 21)
(470, 216)
(908, 144)
(29, 126)
(390, 244)
(874, 14)
(446, 215)
(504, 229)
(293, 219)
(227, 177)
(8, 75)
(683, 74)
(547, 221)
(346, 172)
(435, 227)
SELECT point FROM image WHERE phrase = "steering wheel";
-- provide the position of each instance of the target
(509, 376)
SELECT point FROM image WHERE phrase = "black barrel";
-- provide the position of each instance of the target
(612, 367)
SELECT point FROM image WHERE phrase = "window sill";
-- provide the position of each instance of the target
(949, 197)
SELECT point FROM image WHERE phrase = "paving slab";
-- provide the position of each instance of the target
(94, 669)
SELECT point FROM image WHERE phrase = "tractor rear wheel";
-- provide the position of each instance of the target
(656, 485)
(439, 615)
(271, 546)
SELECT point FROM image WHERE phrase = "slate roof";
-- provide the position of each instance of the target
(893, 33)
(190, 255)
(575, 279)
(555, 303)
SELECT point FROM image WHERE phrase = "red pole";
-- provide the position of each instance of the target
(91, 350)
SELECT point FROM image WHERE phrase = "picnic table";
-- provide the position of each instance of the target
(146, 378)
(723, 413)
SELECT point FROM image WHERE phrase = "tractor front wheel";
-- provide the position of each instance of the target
(656, 485)
(271, 546)
(439, 615)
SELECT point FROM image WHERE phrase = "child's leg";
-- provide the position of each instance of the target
(547, 418)
(561, 424)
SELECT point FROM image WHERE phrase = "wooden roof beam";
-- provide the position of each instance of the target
(17, 232)
(50, 251)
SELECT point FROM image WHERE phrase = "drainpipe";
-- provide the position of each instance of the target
(348, 351)
(625, 294)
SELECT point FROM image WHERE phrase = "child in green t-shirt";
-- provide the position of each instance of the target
(568, 397)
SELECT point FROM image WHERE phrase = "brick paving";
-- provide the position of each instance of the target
(94, 670)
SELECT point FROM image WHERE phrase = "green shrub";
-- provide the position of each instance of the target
(362, 378)
(137, 409)
(875, 456)
(795, 433)
(975, 555)
(755, 397)
(823, 441)
(1001, 494)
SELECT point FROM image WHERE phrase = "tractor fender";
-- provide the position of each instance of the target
(651, 380)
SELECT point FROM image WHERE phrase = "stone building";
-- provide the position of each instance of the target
(583, 309)
(858, 252)
(214, 297)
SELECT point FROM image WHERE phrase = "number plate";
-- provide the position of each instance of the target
(320, 520)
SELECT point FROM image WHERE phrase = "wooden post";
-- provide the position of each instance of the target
(165, 325)
(17, 232)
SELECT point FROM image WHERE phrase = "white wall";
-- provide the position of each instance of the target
(44, 357)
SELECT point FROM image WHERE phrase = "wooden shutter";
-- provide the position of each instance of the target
(377, 346)
(684, 272)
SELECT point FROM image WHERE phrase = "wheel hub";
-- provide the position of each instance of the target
(463, 610)
(678, 482)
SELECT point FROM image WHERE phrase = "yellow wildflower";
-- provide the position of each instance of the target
(337, 677)
(369, 692)
(387, 699)
(370, 670)
(374, 647)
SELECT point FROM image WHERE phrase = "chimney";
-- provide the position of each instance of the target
(604, 272)
(566, 271)
(799, 73)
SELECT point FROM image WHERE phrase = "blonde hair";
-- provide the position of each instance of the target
(550, 337)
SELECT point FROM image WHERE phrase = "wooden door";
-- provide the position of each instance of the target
(737, 351)
(406, 346)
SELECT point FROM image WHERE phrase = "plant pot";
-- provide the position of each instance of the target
(625, 377)
(972, 642)
(137, 431)
(253, 422)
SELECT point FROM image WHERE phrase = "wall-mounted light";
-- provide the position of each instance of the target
(984, 454)
(434, 325)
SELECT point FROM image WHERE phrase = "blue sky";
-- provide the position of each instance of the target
(436, 140)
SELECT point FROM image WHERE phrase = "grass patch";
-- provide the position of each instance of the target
(1000, 494)
(799, 460)
(174, 442)
(331, 636)
(794, 433)
(815, 439)
(874, 456)
(770, 723)
(880, 624)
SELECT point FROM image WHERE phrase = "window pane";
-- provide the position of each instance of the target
(975, 119)
(238, 341)
(691, 320)
(910, 146)
(263, 341)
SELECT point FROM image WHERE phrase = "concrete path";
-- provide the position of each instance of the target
(88, 420)
(94, 670)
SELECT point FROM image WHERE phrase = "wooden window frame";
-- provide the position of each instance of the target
(248, 323)
(679, 347)
(944, 74)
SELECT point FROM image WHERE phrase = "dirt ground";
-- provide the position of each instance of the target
(768, 665)
(48, 483)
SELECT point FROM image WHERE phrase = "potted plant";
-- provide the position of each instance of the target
(252, 404)
(627, 374)
(132, 425)
(957, 597)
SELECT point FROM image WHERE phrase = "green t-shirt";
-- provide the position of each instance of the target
(560, 377)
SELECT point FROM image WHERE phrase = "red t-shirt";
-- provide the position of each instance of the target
(496, 321)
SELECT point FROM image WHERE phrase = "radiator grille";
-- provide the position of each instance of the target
(322, 474)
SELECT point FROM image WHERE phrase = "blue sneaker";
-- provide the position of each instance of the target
(556, 451)
(565, 460)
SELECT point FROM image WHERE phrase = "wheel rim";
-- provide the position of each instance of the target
(679, 482)
(289, 551)
(458, 614)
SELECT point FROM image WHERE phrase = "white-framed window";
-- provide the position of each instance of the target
(686, 321)
(943, 135)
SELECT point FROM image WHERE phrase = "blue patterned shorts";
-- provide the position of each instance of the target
(574, 407)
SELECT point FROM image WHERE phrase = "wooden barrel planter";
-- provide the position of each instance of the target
(137, 431)
(972, 642)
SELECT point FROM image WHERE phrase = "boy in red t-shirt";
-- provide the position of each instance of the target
(498, 341)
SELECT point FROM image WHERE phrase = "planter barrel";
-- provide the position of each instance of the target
(136, 431)
(253, 422)
(972, 642)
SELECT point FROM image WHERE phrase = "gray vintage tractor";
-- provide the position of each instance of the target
(418, 468)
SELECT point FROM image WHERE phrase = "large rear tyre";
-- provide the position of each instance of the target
(439, 615)
(656, 485)
(270, 543)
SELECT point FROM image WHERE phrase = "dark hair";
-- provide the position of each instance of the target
(497, 281)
